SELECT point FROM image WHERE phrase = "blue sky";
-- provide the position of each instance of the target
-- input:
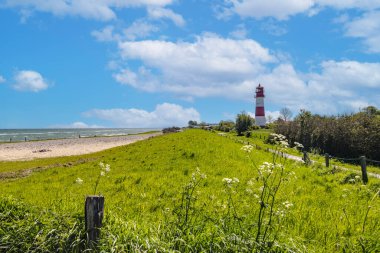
(157, 63)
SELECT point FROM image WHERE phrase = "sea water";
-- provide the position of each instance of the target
(14, 135)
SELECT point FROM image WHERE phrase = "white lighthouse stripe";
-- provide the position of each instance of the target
(260, 120)
(260, 102)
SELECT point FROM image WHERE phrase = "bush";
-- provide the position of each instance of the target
(244, 122)
(171, 130)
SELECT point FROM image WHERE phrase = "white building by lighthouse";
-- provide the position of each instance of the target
(260, 111)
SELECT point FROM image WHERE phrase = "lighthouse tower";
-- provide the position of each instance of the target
(260, 112)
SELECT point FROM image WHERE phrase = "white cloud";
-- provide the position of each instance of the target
(159, 13)
(106, 34)
(201, 68)
(276, 8)
(91, 9)
(273, 28)
(139, 29)
(337, 87)
(350, 4)
(282, 10)
(272, 115)
(366, 27)
(29, 80)
(77, 124)
(164, 115)
(2, 79)
(240, 32)
(214, 66)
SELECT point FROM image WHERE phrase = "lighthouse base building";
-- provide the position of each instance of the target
(260, 111)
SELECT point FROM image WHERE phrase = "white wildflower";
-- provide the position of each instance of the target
(247, 148)
(101, 164)
(235, 180)
(107, 168)
(79, 181)
(227, 180)
(249, 191)
(287, 204)
(251, 182)
(102, 173)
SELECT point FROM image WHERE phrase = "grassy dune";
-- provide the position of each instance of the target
(155, 200)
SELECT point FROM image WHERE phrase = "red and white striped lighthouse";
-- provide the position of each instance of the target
(260, 111)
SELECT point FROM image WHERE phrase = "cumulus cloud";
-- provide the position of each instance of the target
(220, 67)
(29, 80)
(336, 87)
(200, 68)
(2, 79)
(282, 10)
(159, 13)
(276, 8)
(106, 34)
(91, 9)
(164, 115)
(366, 27)
(139, 29)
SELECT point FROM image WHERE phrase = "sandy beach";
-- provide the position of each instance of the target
(64, 147)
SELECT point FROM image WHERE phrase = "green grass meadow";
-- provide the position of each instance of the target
(157, 201)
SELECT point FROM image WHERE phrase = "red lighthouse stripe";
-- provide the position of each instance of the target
(260, 111)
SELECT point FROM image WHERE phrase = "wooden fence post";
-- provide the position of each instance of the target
(94, 211)
(305, 158)
(363, 164)
(327, 159)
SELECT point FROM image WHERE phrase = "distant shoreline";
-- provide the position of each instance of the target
(22, 135)
(29, 150)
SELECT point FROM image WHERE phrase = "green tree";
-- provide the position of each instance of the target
(192, 123)
(243, 123)
(226, 125)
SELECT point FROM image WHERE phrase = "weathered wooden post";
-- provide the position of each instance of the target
(305, 158)
(94, 211)
(363, 164)
(327, 159)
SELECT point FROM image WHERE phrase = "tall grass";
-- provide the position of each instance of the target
(157, 201)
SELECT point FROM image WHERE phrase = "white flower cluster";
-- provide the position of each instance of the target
(287, 204)
(247, 148)
(104, 168)
(79, 181)
(199, 174)
(230, 181)
(279, 139)
(267, 168)
(298, 145)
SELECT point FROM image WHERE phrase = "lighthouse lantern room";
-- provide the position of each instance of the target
(260, 111)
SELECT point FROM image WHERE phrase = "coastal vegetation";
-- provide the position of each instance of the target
(193, 191)
(346, 136)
